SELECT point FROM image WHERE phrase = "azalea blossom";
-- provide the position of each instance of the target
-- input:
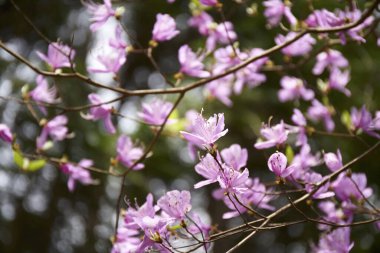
(294, 88)
(298, 48)
(335, 214)
(78, 173)
(232, 181)
(58, 55)
(353, 187)
(250, 75)
(5, 133)
(175, 203)
(164, 28)
(100, 111)
(227, 57)
(191, 64)
(155, 112)
(43, 93)
(337, 241)
(202, 21)
(235, 156)
(275, 10)
(304, 160)
(118, 42)
(329, 59)
(128, 153)
(209, 2)
(277, 164)
(206, 132)
(300, 129)
(323, 18)
(109, 63)
(221, 89)
(354, 33)
(311, 179)
(275, 135)
(361, 119)
(222, 33)
(338, 81)
(375, 124)
(333, 161)
(100, 13)
(318, 111)
(208, 168)
(55, 128)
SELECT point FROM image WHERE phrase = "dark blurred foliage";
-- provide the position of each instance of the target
(38, 214)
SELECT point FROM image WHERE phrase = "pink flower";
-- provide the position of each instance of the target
(78, 173)
(58, 56)
(337, 241)
(221, 89)
(5, 133)
(300, 129)
(111, 63)
(191, 64)
(43, 94)
(331, 59)
(227, 57)
(55, 128)
(203, 21)
(100, 13)
(100, 111)
(155, 112)
(250, 75)
(311, 179)
(293, 89)
(375, 124)
(361, 119)
(303, 161)
(118, 42)
(323, 18)
(334, 214)
(176, 204)
(220, 33)
(338, 81)
(164, 28)
(320, 112)
(276, 135)
(206, 132)
(209, 169)
(298, 48)
(352, 188)
(275, 9)
(255, 195)
(355, 33)
(277, 164)
(333, 161)
(209, 2)
(235, 156)
(232, 181)
(128, 154)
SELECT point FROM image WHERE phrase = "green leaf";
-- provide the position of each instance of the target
(26, 164)
(36, 165)
(346, 119)
(18, 159)
(289, 154)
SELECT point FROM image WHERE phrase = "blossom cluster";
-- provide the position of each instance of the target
(223, 67)
(157, 227)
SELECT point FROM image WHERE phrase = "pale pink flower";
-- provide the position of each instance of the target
(164, 28)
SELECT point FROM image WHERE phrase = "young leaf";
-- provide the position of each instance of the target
(18, 158)
(36, 165)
